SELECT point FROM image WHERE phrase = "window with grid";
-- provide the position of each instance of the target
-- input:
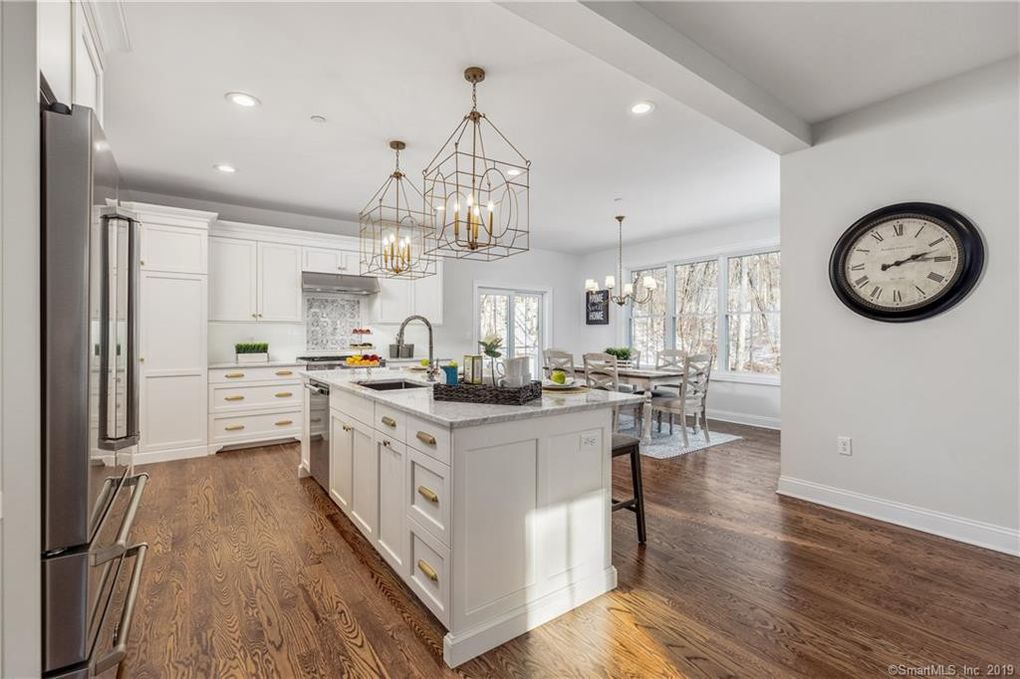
(752, 313)
(648, 320)
(696, 306)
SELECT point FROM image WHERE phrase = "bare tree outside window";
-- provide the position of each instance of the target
(697, 306)
(753, 313)
(648, 329)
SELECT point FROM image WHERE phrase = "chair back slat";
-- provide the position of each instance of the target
(670, 359)
(558, 359)
(697, 371)
(601, 371)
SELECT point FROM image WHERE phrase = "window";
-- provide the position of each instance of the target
(517, 317)
(752, 313)
(727, 306)
(648, 324)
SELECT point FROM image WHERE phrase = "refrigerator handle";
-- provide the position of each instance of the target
(134, 260)
(105, 441)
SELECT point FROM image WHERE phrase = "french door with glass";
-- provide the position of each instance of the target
(515, 316)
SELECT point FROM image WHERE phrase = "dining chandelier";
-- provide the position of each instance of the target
(394, 234)
(477, 189)
(639, 291)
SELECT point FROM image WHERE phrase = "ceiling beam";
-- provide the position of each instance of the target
(629, 37)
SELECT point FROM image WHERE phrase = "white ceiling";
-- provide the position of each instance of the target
(388, 71)
(826, 58)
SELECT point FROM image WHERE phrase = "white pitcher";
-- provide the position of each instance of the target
(516, 372)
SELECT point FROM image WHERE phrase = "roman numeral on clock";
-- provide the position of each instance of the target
(898, 229)
(876, 292)
(920, 291)
(877, 236)
(936, 241)
(860, 282)
(857, 267)
(938, 278)
(897, 296)
(942, 258)
(919, 231)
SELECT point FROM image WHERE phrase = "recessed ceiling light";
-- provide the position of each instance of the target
(242, 99)
(513, 172)
(317, 119)
(642, 107)
(225, 168)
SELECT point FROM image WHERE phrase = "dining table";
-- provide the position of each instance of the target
(646, 379)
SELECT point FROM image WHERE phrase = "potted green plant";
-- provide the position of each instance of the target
(621, 353)
(491, 347)
(251, 352)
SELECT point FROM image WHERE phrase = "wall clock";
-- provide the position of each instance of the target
(906, 262)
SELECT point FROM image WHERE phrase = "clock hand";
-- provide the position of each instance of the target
(898, 262)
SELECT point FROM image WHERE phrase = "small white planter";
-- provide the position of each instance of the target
(252, 358)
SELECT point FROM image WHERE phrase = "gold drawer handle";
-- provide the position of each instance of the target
(315, 419)
(389, 421)
(426, 438)
(234, 427)
(428, 570)
(284, 423)
(283, 394)
(234, 375)
(233, 398)
(284, 373)
(428, 494)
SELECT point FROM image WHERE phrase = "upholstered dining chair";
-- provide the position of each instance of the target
(602, 371)
(558, 359)
(691, 400)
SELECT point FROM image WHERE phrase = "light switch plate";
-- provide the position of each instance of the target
(589, 441)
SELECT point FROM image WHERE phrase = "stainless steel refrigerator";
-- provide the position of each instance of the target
(90, 567)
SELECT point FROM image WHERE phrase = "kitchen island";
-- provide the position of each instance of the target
(496, 517)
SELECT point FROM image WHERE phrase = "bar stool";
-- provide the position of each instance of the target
(628, 445)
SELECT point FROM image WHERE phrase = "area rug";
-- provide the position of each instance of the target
(663, 446)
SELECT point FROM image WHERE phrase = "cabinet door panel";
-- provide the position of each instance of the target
(322, 260)
(279, 282)
(171, 415)
(232, 284)
(392, 531)
(173, 324)
(341, 443)
(365, 491)
(174, 249)
(393, 303)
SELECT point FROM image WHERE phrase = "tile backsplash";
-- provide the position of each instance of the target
(329, 321)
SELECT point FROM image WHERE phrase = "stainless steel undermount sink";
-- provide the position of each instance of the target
(390, 385)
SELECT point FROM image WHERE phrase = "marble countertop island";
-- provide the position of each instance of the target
(419, 402)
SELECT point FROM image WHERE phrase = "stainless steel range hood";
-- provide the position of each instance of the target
(338, 283)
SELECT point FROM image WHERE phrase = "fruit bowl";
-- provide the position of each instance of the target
(363, 361)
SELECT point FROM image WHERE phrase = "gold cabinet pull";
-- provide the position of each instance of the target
(234, 375)
(389, 421)
(426, 438)
(428, 570)
(346, 428)
(233, 398)
(284, 423)
(234, 427)
(284, 373)
(428, 494)
(283, 394)
(315, 419)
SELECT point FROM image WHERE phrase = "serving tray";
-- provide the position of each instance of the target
(486, 393)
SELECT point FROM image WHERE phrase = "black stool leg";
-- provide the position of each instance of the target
(639, 492)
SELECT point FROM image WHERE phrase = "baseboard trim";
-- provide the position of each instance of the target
(745, 418)
(459, 648)
(170, 455)
(978, 533)
(303, 471)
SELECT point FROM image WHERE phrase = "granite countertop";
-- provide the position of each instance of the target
(269, 364)
(419, 402)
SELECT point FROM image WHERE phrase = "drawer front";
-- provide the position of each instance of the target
(390, 421)
(360, 409)
(256, 373)
(227, 428)
(431, 439)
(230, 397)
(429, 563)
(428, 491)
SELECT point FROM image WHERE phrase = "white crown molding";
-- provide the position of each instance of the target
(987, 535)
(171, 216)
(277, 234)
(108, 25)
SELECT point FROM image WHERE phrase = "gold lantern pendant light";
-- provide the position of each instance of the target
(477, 187)
(394, 234)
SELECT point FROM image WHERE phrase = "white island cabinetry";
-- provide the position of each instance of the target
(496, 527)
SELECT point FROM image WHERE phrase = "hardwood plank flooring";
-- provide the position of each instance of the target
(254, 573)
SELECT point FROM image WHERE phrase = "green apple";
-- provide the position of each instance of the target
(558, 376)
(425, 362)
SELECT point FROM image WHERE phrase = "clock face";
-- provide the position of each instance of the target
(906, 262)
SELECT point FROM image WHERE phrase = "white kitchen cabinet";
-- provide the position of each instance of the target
(53, 23)
(365, 480)
(394, 302)
(173, 249)
(428, 296)
(328, 260)
(233, 287)
(70, 53)
(341, 462)
(87, 71)
(279, 282)
(392, 537)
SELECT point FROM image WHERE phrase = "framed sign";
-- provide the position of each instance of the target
(597, 307)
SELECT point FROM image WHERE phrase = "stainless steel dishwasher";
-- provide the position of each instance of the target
(318, 432)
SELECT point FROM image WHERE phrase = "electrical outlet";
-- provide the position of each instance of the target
(589, 441)
(844, 445)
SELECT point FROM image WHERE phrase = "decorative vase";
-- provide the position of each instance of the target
(252, 358)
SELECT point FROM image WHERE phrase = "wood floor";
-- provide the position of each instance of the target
(254, 573)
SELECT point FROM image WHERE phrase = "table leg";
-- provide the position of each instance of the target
(646, 419)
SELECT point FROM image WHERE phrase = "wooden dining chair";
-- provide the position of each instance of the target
(669, 359)
(558, 359)
(602, 371)
(692, 398)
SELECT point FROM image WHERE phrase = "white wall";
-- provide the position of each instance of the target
(748, 403)
(20, 449)
(932, 405)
